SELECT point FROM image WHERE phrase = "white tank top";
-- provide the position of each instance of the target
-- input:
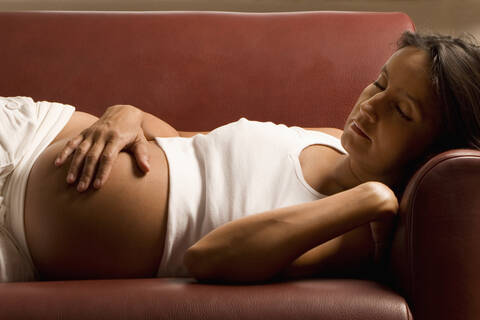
(239, 169)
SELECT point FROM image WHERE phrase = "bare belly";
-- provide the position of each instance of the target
(117, 231)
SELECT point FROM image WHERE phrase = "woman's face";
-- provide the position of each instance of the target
(397, 112)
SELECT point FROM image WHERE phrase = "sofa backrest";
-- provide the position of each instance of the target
(199, 70)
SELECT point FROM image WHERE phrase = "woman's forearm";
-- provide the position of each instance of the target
(259, 246)
(151, 126)
(155, 127)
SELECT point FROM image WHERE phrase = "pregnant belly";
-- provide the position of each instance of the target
(117, 231)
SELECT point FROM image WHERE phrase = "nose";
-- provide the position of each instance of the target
(368, 111)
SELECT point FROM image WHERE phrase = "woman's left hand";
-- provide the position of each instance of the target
(119, 128)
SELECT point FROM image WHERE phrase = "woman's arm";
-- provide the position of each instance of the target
(121, 127)
(155, 127)
(259, 247)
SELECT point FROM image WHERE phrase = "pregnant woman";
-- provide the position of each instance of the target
(248, 201)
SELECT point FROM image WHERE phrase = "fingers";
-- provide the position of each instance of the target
(89, 165)
(140, 151)
(110, 153)
(78, 159)
(68, 149)
(106, 154)
(92, 150)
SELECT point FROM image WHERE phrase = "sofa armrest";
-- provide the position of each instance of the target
(435, 252)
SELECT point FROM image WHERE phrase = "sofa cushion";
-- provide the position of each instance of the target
(183, 298)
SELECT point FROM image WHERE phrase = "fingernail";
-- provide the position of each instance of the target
(80, 187)
(70, 178)
(96, 184)
(57, 161)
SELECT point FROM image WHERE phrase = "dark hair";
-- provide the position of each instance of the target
(455, 79)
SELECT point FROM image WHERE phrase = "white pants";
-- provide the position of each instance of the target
(26, 129)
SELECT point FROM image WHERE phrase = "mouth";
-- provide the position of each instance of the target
(355, 127)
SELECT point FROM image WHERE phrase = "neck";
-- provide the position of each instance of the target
(346, 175)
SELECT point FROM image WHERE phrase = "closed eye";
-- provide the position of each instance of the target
(376, 84)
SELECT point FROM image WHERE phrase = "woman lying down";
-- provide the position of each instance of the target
(126, 195)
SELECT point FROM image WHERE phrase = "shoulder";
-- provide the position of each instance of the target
(337, 133)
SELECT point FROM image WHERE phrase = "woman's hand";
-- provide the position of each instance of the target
(119, 128)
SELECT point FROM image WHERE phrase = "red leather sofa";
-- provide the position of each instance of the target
(199, 70)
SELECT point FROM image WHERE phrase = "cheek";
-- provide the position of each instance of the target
(398, 148)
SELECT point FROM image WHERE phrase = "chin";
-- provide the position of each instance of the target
(354, 144)
(349, 139)
(347, 143)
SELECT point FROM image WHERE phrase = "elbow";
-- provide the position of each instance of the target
(204, 268)
(194, 261)
(202, 265)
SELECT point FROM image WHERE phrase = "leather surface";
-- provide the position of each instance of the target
(199, 70)
(181, 298)
(434, 258)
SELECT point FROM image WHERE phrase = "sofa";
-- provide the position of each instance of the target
(198, 70)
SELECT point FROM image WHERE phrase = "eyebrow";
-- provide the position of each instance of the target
(411, 98)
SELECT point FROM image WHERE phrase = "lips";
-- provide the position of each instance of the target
(359, 130)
